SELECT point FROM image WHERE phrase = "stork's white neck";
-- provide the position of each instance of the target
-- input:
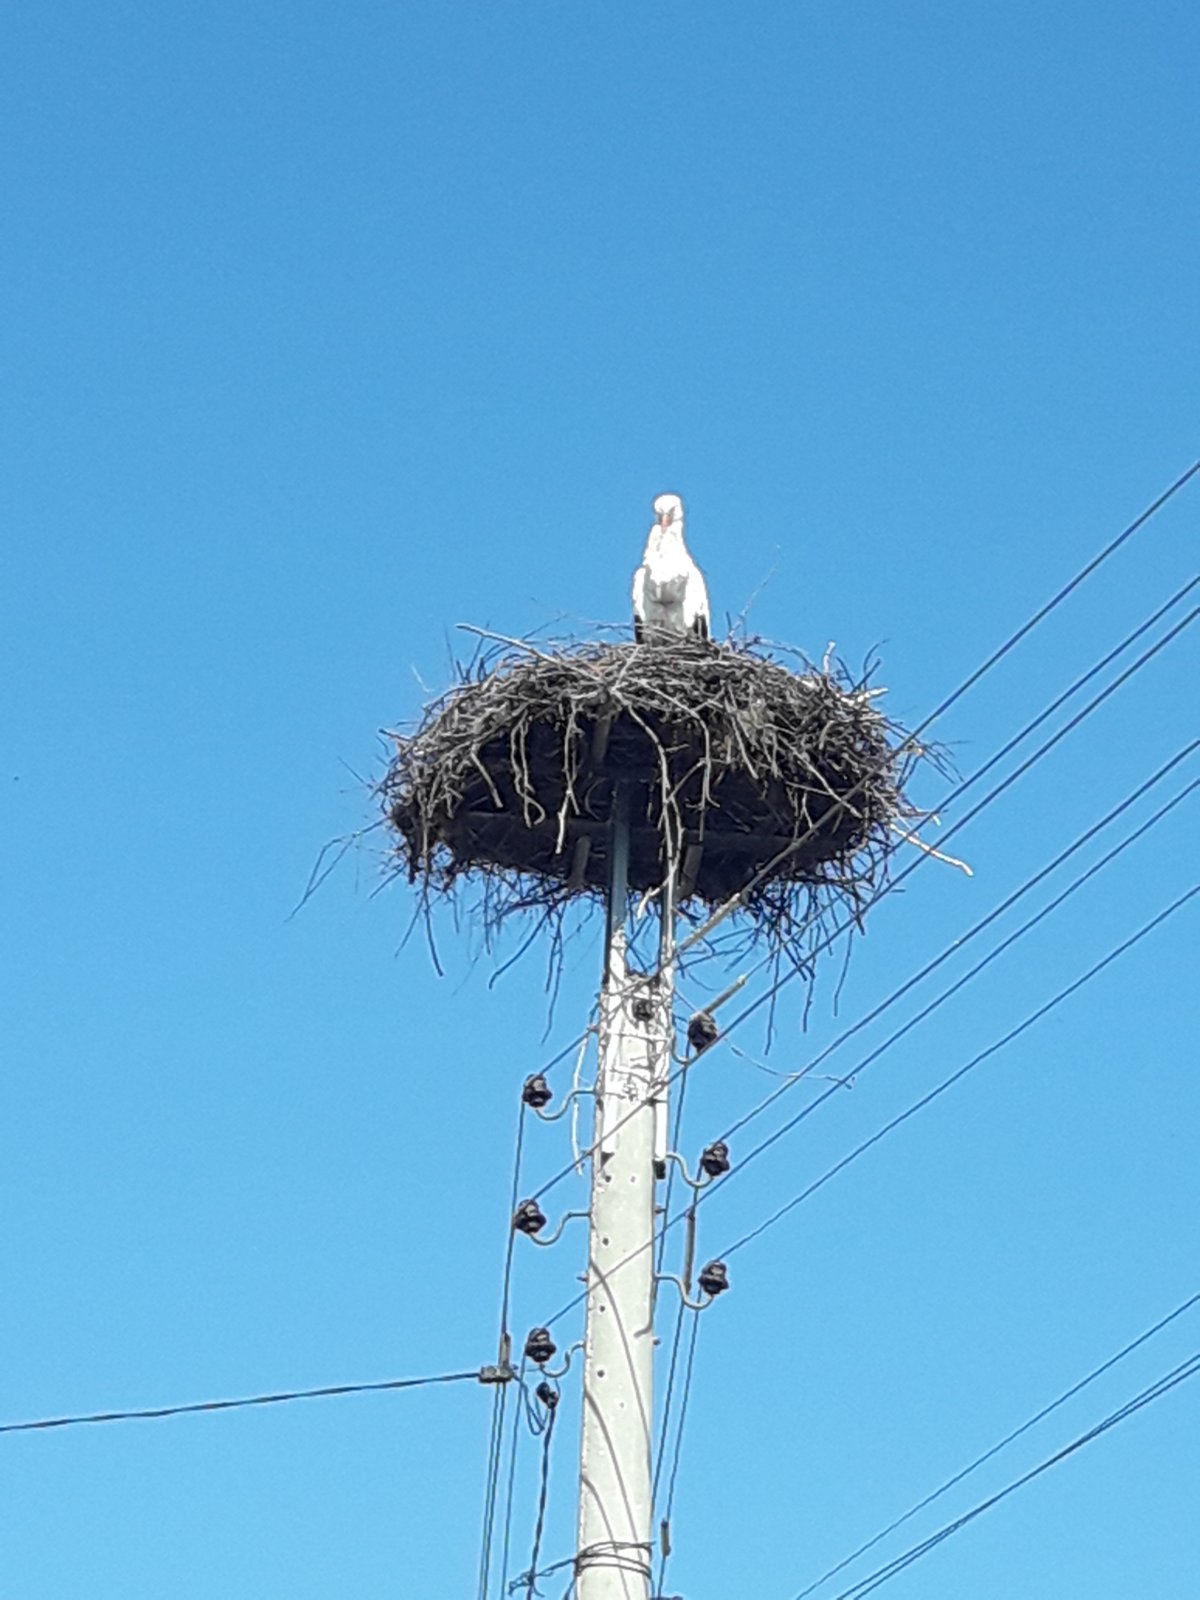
(664, 544)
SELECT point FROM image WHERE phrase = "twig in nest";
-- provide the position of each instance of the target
(769, 792)
(921, 844)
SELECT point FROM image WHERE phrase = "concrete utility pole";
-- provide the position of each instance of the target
(614, 1553)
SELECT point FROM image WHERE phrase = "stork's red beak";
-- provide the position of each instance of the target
(664, 519)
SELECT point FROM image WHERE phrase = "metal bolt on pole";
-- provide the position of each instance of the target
(614, 1552)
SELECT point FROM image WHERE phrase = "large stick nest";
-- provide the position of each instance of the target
(745, 775)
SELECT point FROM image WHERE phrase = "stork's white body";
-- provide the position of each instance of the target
(669, 592)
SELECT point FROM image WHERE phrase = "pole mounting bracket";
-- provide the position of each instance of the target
(713, 1280)
(497, 1374)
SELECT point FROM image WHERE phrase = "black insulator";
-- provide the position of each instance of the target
(714, 1159)
(660, 1168)
(702, 1031)
(547, 1394)
(537, 1092)
(529, 1217)
(643, 1009)
(714, 1279)
(539, 1346)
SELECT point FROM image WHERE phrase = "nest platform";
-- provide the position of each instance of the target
(742, 773)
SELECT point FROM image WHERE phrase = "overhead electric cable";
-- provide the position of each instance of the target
(668, 1398)
(514, 1196)
(1055, 600)
(510, 1490)
(281, 1397)
(792, 1204)
(956, 794)
(570, 1049)
(969, 1066)
(895, 882)
(993, 794)
(669, 1395)
(676, 1128)
(1180, 1374)
(950, 950)
(495, 1444)
(1091, 872)
(1042, 913)
(1049, 745)
(660, 1450)
(1031, 727)
(956, 945)
(529, 1581)
(793, 1078)
(997, 950)
(841, 803)
(504, 1359)
(665, 1514)
(1043, 749)
(1000, 1445)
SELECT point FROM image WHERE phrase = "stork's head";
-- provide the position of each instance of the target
(668, 508)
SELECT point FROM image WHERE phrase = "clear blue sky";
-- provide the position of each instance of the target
(326, 328)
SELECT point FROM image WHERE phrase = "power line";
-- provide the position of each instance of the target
(579, 1039)
(495, 1449)
(660, 1452)
(973, 678)
(1001, 1444)
(491, 1487)
(668, 1398)
(956, 945)
(1043, 716)
(999, 789)
(1045, 911)
(969, 1066)
(894, 883)
(842, 802)
(676, 1128)
(951, 949)
(997, 950)
(504, 1359)
(510, 1491)
(943, 706)
(1185, 1369)
(895, 1122)
(514, 1196)
(1012, 777)
(1085, 572)
(528, 1581)
(282, 1397)
(1069, 726)
(1017, 739)
(689, 1364)
(873, 1055)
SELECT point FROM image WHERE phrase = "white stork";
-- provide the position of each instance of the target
(669, 595)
